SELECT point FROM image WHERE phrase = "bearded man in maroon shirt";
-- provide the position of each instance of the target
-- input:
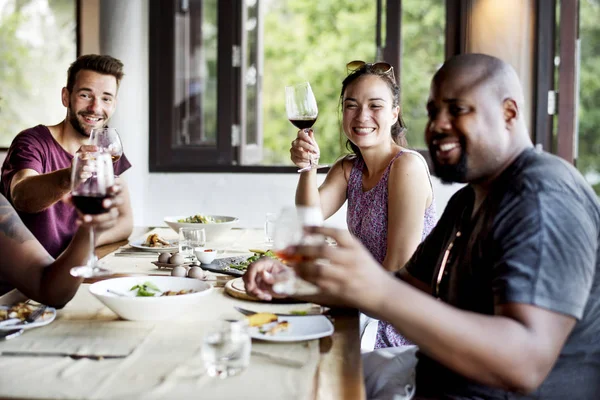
(37, 169)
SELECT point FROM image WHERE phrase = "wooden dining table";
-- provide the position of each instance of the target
(338, 373)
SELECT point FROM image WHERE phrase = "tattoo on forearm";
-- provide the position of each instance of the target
(10, 223)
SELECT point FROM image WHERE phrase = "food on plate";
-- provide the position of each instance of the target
(243, 265)
(149, 289)
(273, 330)
(153, 240)
(200, 219)
(261, 318)
(176, 293)
(19, 310)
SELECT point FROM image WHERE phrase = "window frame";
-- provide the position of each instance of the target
(230, 89)
(223, 157)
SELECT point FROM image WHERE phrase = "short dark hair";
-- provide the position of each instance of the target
(399, 128)
(102, 64)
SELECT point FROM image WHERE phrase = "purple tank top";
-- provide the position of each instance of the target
(367, 220)
(36, 149)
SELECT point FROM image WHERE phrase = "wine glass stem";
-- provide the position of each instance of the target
(92, 257)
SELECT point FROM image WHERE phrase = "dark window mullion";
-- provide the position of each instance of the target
(543, 71)
(392, 53)
(456, 27)
(228, 26)
(162, 75)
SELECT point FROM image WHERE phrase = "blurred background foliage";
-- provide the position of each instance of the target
(37, 44)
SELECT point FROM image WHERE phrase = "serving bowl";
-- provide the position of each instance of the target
(212, 230)
(116, 294)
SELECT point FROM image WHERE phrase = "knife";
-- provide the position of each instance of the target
(58, 354)
(307, 313)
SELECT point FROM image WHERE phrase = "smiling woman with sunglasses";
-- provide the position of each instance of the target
(387, 186)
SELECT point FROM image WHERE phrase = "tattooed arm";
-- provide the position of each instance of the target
(27, 266)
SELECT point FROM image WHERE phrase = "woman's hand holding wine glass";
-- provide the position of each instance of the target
(305, 144)
(302, 111)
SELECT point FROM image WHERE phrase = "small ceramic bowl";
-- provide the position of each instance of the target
(205, 256)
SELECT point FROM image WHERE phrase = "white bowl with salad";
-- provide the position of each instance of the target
(213, 225)
(151, 298)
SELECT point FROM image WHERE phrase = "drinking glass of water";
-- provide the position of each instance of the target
(189, 238)
(226, 349)
(270, 219)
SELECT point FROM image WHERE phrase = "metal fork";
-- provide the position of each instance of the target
(35, 314)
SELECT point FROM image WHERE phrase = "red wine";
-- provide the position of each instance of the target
(90, 204)
(303, 122)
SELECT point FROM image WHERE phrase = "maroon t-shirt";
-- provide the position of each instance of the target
(36, 149)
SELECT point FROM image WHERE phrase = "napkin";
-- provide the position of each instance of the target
(96, 339)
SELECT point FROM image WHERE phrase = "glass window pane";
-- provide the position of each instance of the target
(195, 94)
(311, 41)
(34, 33)
(588, 160)
(423, 37)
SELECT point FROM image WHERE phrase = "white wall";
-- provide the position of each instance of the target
(123, 34)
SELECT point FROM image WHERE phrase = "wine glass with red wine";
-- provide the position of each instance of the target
(288, 232)
(302, 111)
(109, 141)
(91, 178)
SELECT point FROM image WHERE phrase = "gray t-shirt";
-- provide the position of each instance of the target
(535, 241)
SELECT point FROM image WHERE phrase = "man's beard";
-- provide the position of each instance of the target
(451, 173)
(76, 124)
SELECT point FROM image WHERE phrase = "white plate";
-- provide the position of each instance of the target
(137, 244)
(300, 328)
(47, 317)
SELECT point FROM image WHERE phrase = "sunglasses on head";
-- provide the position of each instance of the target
(381, 68)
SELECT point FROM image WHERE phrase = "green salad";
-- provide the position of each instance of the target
(200, 219)
(243, 265)
(146, 289)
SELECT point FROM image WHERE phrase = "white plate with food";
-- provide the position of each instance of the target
(293, 329)
(155, 243)
(20, 312)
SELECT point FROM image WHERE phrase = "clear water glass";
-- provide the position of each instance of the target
(190, 238)
(270, 219)
(226, 349)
